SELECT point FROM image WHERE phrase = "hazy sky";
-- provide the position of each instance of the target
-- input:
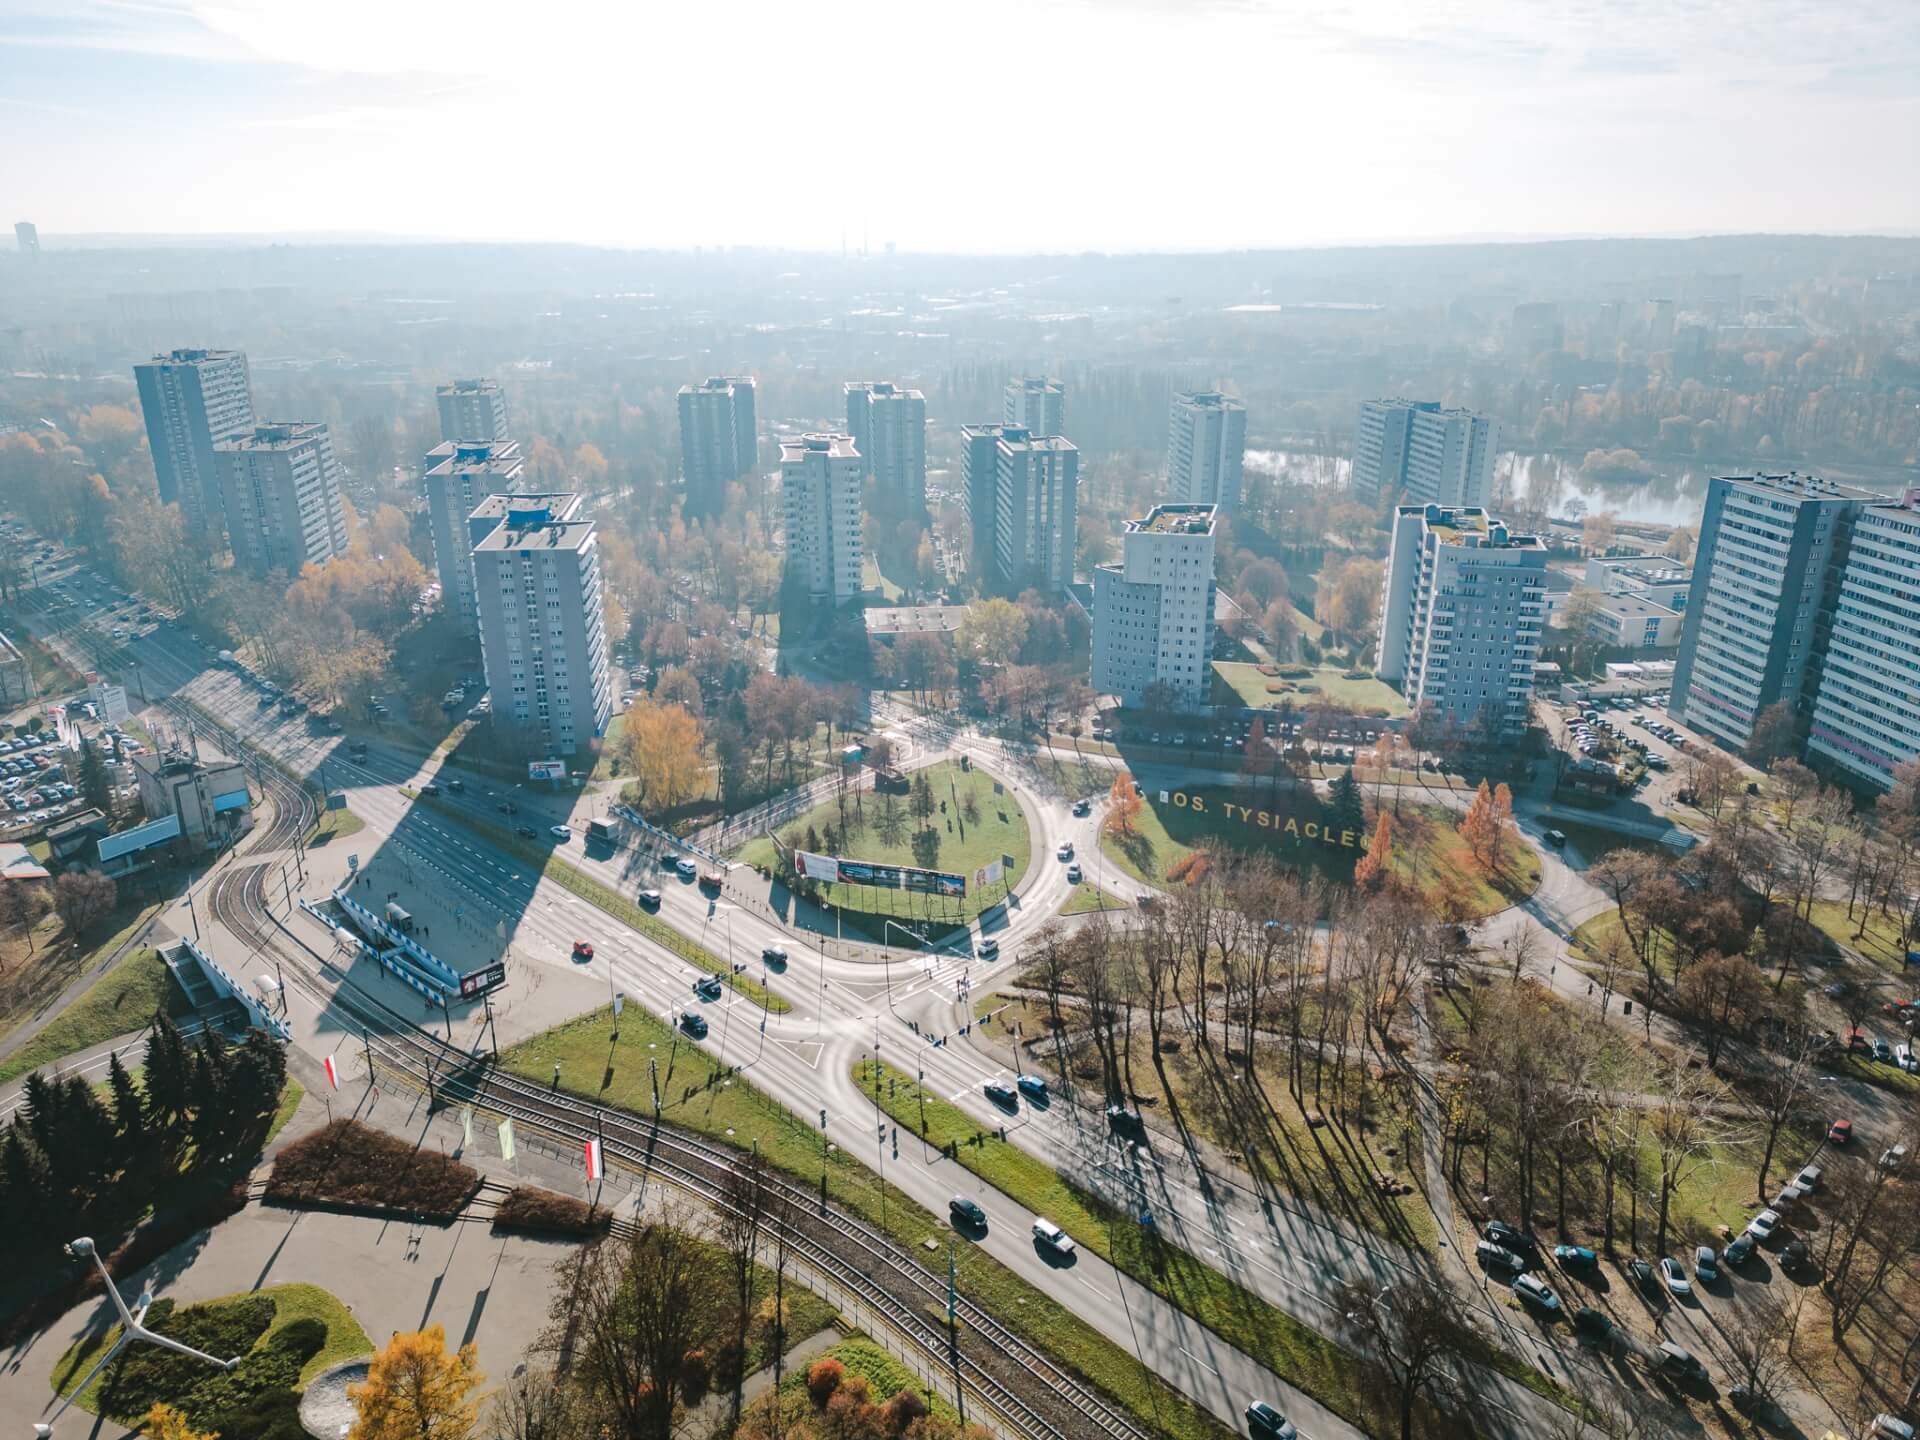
(1010, 125)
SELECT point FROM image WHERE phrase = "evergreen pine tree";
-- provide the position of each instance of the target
(129, 1117)
(26, 1190)
(1346, 809)
(166, 1084)
(95, 785)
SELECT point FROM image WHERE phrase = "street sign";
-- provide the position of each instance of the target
(353, 863)
(478, 982)
(619, 1003)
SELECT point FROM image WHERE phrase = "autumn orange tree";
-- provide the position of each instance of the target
(1377, 863)
(665, 749)
(415, 1390)
(1124, 805)
(1486, 825)
(163, 1422)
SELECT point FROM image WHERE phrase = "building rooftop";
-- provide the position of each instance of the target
(994, 428)
(559, 505)
(1795, 486)
(192, 357)
(17, 863)
(833, 446)
(1209, 400)
(1635, 607)
(465, 457)
(1038, 383)
(544, 534)
(277, 435)
(477, 386)
(1174, 520)
(1016, 438)
(717, 385)
(914, 619)
(1470, 525)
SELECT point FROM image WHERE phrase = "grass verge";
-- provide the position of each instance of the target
(1088, 898)
(123, 1000)
(701, 1094)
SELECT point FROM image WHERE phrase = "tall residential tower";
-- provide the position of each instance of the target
(1037, 405)
(1206, 449)
(281, 489)
(193, 401)
(719, 441)
(889, 429)
(1153, 611)
(820, 490)
(472, 410)
(458, 475)
(1434, 456)
(1866, 714)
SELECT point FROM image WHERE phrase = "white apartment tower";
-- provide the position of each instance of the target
(719, 441)
(1036, 510)
(472, 410)
(1037, 405)
(1434, 456)
(889, 430)
(1206, 449)
(1153, 610)
(194, 400)
(1462, 609)
(281, 491)
(458, 475)
(543, 638)
(820, 488)
(1866, 715)
(1760, 606)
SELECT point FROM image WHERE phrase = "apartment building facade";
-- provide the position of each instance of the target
(281, 493)
(1153, 609)
(459, 475)
(472, 410)
(820, 478)
(1431, 455)
(888, 425)
(719, 439)
(1036, 404)
(194, 401)
(1036, 510)
(1206, 449)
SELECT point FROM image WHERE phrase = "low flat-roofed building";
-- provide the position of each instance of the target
(888, 623)
(208, 798)
(1635, 622)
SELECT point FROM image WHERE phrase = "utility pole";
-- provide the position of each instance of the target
(953, 1334)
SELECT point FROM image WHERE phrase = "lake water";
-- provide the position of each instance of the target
(1665, 497)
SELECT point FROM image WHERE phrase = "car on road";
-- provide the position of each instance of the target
(560, 832)
(685, 868)
(1046, 1233)
(526, 832)
(1065, 852)
(1564, 1255)
(1892, 1427)
(694, 1024)
(1124, 1121)
(1073, 874)
(1535, 1291)
(1501, 1233)
(774, 956)
(582, 950)
(650, 899)
(1557, 838)
(1498, 1257)
(429, 790)
(707, 988)
(456, 786)
(1002, 1095)
(1840, 1132)
(967, 1212)
(1674, 1276)
(1083, 808)
(1032, 1086)
(1268, 1423)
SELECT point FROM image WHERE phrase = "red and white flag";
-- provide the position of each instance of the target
(333, 1073)
(594, 1165)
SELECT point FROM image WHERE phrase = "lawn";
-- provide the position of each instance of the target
(1880, 944)
(343, 1339)
(121, 1001)
(1292, 1349)
(1088, 897)
(1428, 852)
(881, 829)
(1331, 682)
(697, 1092)
(336, 825)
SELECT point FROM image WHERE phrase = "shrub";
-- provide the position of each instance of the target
(823, 1378)
(1294, 672)
(696, 1375)
(1269, 669)
(1306, 689)
(903, 1409)
(529, 1207)
(1355, 674)
(146, 1375)
(349, 1165)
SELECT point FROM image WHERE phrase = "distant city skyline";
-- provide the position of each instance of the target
(1482, 118)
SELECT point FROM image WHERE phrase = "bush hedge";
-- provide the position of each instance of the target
(144, 1375)
(547, 1212)
(346, 1165)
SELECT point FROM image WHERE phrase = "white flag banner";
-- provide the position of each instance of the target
(466, 1124)
(594, 1167)
(506, 1139)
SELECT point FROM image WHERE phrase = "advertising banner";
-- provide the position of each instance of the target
(817, 867)
(987, 875)
(860, 872)
(477, 982)
(546, 769)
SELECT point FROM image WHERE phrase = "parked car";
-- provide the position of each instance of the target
(1124, 1121)
(1501, 1233)
(1738, 1249)
(1498, 1257)
(1809, 1179)
(1535, 1291)
(1840, 1132)
(1674, 1276)
(1893, 1157)
(1892, 1427)
(1706, 1265)
(1594, 1324)
(1763, 1225)
(1565, 1255)
(1677, 1361)
(1641, 1273)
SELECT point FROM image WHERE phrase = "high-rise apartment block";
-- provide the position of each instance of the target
(1206, 449)
(1866, 712)
(281, 490)
(889, 430)
(27, 236)
(458, 475)
(979, 493)
(1463, 605)
(820, 487)
(1037, 405)
(193, 401)
(1765, 577)
(1434, 456)
(472, 410)
(1036, 510)
(543, 637)
(718, 439)
(1153, 610)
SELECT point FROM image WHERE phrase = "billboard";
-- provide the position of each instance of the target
(113, 703)
(835, 871)
(988, 875)
(478, 982)
(546, 769)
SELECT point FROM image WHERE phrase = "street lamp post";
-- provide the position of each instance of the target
(132, 1327)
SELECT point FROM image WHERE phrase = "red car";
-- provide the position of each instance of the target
(582, 950)
(1840, 1132)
